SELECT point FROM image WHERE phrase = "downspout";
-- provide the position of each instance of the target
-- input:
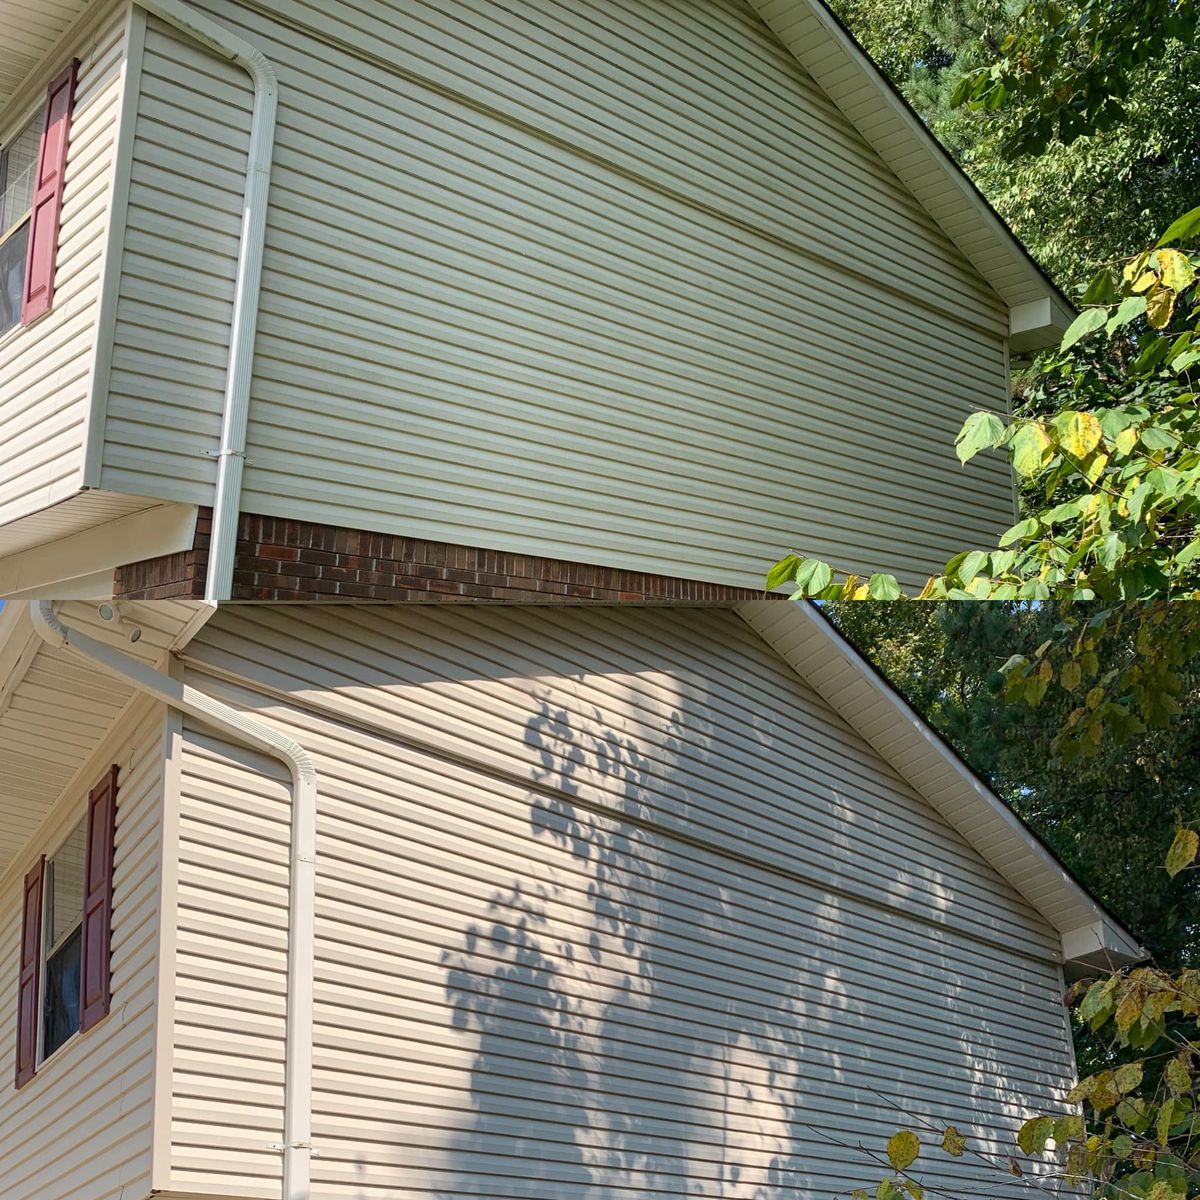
(232, 455)
(298, 1052)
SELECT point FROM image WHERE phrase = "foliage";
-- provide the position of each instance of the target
(1104, 787)
(1067, 67)
(1130, 1125)
(1108, 444)
(1075, 205)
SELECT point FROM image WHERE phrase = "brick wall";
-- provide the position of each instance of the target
(279, 560)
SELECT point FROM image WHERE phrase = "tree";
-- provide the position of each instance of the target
(1085, 718)
(1076, 119)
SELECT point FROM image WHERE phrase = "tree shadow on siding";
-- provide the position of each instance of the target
(643, 1022)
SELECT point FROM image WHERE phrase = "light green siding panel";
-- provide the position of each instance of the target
(45, 369)
(175, 303)
(609, 281)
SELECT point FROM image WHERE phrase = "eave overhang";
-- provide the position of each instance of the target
(816, 38)
(1092, 938)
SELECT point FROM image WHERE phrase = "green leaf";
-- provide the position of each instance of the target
(972, 564)
(1020, 532)
(1179, 1077)
(1185, 228)
(782, 571)
(884, 587)
(812, 576)
(1128, 1077)
(902, 1149)
(1086, 323)
(953, 1142)
(1131, 308)
(1183, 851)
(980, 431)
(1033, 1135)
(1102, 289)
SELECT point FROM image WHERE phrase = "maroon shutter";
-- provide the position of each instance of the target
(95, 990)
(30, 975)
(42, 253)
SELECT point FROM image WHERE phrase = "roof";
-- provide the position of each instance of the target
(1092, 937)
(827, 50)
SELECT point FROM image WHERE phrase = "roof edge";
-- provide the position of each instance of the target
(823, 46)
(1092, 938)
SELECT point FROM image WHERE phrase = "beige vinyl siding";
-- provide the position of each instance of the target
(608, 281)
(581, 920)
(45, 370)
(81, 1130)
(175, 301)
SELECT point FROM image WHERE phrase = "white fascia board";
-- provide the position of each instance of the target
(855, 690)
(74, 567)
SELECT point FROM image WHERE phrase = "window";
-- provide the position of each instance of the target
(63, 923)
(64, 980)
(18, 162)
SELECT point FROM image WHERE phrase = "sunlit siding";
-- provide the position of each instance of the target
(81, 1130)
(45, 369)
(609, 281)
(175, 303)
(607, 903)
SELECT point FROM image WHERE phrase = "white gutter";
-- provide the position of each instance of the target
(298, 1052)
(232, 455)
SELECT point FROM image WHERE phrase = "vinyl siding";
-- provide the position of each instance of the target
(45, 369)
(175, 297)
(606, 902)
(81, 1130)
(608, 281)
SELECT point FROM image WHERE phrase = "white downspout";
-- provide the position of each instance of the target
(298, 1052)
(232, 455)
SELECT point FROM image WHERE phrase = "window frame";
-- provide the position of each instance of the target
(9, 133)
(46, 951)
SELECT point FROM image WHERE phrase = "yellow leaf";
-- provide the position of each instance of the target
(1183, 851)
(1175, 270)
(1127, 1077)
(902, 1149)
(1127, 439)
(1081, 434)
(1160, 307)
(953, 1142)
(1143, 283)
(1179, 1078)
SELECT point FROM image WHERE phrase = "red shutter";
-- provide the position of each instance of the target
(30, 975)
(95, 990)
(42, 253)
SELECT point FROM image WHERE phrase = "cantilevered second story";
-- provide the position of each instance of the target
(613, 299)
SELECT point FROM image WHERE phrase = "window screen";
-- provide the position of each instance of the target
(62, 934)
(18, 163)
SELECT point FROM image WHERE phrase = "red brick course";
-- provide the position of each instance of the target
(279, 560)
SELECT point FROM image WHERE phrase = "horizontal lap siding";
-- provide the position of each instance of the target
(633, 293)
(227, 1088)
(45, 370)
(82, 1129)
(523, 992)
(171, 340)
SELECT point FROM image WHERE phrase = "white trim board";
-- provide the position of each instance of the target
(1091, 936)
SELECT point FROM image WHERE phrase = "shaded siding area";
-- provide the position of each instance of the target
(45, 370)
(175, 303)
(608, 281)
(608, 904)
(81, 1130)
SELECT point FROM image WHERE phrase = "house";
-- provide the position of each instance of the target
(609, 299)
(417, 901)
